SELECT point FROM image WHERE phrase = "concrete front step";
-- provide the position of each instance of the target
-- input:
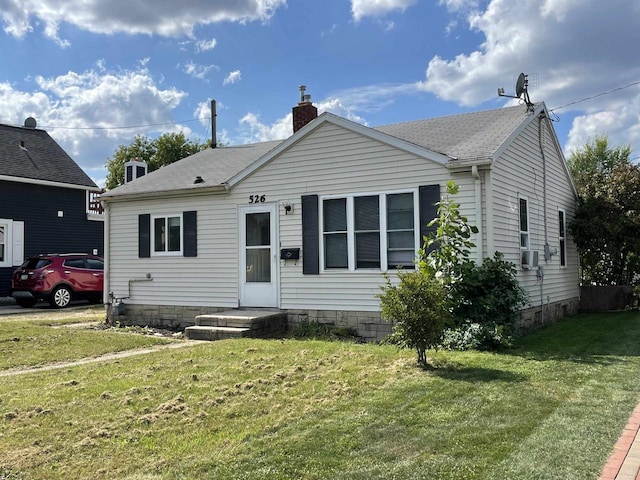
(239, 318)
(200, 332)
(236, 323)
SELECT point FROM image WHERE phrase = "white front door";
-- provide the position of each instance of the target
(258, 256)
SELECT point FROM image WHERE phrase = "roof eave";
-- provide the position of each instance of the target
(49, 183)
(216, 189)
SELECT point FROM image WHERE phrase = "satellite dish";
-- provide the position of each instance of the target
(520, 84)
(30, 122)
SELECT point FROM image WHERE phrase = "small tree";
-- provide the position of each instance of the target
(418, 306)
(444, 253)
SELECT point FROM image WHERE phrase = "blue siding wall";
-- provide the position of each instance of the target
(44, 232)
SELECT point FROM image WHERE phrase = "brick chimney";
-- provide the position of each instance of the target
(304, 112)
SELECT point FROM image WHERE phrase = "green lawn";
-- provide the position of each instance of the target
(42, 338)
(551, 408)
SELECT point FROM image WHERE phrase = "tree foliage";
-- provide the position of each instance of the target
(419, 307)
(480, 303)
(445, 252)
(606, 227)
(158, 152)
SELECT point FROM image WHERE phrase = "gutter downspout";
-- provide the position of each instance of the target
(107, 244)
(488, 186)
(478, 192)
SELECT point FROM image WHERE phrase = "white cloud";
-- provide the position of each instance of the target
(140, 17)
(576, 48)
(198, 71)
(81, 110)
(233, 77)
(253, 130)
(377, 8)
(206, 45)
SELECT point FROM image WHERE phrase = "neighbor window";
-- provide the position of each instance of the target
(562, 235)
(524, 223)
(369, 231)
(3, 247)
(167, 235)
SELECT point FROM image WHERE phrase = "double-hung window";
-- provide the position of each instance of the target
(3, 243)
(524, 223)
(167, 235)
(373, 231)
(11, 242)
(562, 235)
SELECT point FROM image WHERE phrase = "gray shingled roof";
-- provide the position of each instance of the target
(32, 154)
(216, 166)
(467, 136)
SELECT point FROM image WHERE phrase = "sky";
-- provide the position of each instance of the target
(95, 74)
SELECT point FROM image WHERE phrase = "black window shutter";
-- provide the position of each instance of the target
(310, 235)
(190, 230)
(144, 235)
(429, 196)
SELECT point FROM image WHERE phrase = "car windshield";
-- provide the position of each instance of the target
(35, 263)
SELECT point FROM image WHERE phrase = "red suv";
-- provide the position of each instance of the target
(58, 279)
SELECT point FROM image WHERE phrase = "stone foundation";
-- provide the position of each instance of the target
(536, 317)
(368, 325)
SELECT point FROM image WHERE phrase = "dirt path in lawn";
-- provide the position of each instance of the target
(101, 358)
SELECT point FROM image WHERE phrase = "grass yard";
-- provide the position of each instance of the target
(551, 408)
(36, 339)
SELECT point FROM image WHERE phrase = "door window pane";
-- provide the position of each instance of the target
(258, 265)
(258, 229)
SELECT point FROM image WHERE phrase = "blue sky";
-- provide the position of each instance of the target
(95, 74)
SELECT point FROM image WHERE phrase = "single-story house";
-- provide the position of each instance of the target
(48, 204)
(309, 224)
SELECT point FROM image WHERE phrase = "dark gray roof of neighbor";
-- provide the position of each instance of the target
(216, 166)
(462, 137)
(31, 153)
(465, 136)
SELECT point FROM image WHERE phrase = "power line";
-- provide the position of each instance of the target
(127, 127)
(595, 96)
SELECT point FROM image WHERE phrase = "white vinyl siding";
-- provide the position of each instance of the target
(334, 162)
(519, 173)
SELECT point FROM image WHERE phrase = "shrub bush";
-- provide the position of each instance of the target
(417, 306)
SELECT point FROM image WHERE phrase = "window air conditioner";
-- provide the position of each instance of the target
(529, 259)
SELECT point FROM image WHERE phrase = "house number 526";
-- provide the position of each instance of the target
(257, 198)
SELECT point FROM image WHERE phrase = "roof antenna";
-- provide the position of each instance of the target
(522, 85)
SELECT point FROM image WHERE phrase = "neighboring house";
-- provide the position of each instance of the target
(308, 225)
(47, 203)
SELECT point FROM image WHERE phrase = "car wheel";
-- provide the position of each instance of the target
(26, 302)
(60, 297)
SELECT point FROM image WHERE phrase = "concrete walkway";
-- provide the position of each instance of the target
(624, 462)
(102, 358)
